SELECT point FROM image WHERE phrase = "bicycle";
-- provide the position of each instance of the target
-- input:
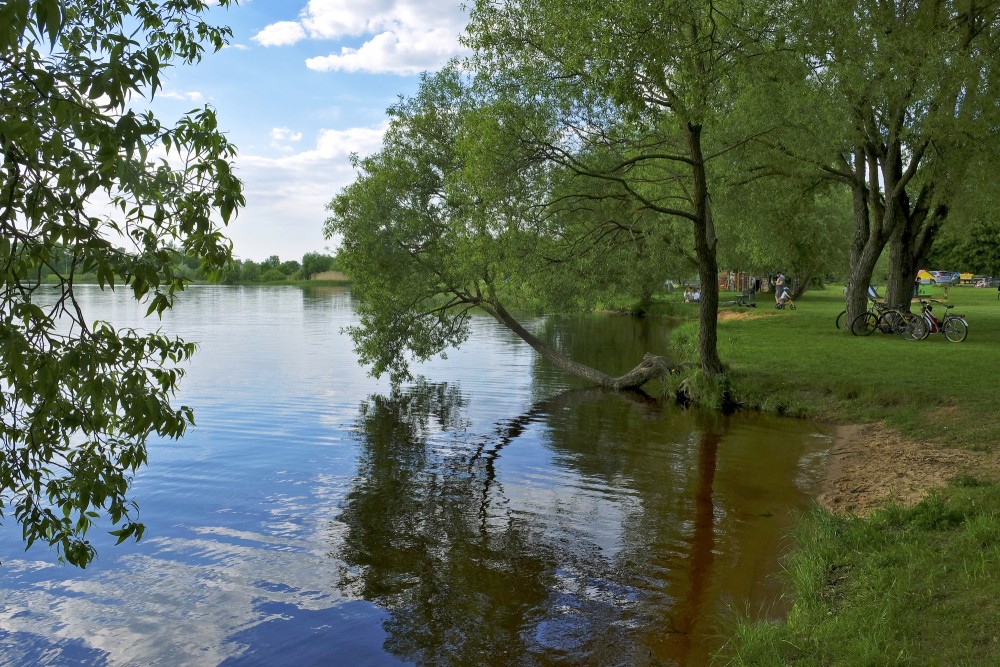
(866, 323)
(901, 321)
(784, 300)
(954, 327)
(872, 298)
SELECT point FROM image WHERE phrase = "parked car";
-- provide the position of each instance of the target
(944, 277)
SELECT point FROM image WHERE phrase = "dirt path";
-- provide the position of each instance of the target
(871, 464)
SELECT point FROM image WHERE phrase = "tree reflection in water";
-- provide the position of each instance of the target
(468, 575)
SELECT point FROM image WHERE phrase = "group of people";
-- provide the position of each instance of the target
(782, 293)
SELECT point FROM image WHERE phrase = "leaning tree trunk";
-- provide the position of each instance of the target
(801, 284)
(650, 368)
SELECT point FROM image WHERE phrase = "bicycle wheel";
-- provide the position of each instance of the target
(864, 324)
(955, 329)
(891, 321)
(915, 328)
(841, 318)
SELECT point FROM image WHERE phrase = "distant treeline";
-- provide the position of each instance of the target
(239, 271)
(273, 270)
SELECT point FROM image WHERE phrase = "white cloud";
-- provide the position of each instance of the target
(392, 52)
(287, 196)
(282, 33)
(193, 95)
(405, 36)
(333, 19)
(281, 137)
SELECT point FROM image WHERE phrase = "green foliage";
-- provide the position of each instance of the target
(799, 227)
(273, 276)
(314, 262)
(81, 399)
(418, 258)
(973, 247)
(250, 272)
(290, 267)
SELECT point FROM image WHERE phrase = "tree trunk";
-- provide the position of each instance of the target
(705, 243)
(651, 367)
(902, 267)
(801, 284)
(872, 229)
(910, 244)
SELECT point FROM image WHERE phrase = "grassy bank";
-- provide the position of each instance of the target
(797, 363)
(913, 587)
(903, 586)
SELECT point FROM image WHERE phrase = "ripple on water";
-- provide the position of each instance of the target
(484, 515)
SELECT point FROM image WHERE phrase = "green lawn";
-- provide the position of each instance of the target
(798, 363)
(915, 586)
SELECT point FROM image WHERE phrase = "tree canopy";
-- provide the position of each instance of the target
(450, 217)
(592, 148)
(91, 184)
(557, 172)
(894, 101)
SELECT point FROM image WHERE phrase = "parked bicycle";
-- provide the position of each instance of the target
(867, 322)
(901, 321)
(954, 327)
(873, 299)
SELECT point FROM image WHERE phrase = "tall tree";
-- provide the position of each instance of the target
(901, 94)
(89, 185)
(429, 235)
(665, 71)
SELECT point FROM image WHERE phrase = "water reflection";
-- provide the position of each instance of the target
(478, 560)
(415, 543)
(495, 518)
(690, 612)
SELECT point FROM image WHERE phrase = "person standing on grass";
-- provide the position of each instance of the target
(779, 287)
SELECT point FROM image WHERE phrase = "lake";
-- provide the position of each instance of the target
(494, 512)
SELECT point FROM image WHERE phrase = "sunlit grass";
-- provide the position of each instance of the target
(797, 363)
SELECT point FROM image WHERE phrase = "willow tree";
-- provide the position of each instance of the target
(91, 187)
(669, 71)
(893, 100)
(429, 235)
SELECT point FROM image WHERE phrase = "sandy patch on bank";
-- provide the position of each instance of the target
(748, 314)
(871, 464)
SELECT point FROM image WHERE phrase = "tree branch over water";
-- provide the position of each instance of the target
(429, 234)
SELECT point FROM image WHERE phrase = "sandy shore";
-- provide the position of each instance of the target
(870, 464)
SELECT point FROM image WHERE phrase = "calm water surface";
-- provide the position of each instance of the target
(494, 513)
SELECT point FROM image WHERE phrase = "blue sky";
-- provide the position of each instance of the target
(304, 84)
